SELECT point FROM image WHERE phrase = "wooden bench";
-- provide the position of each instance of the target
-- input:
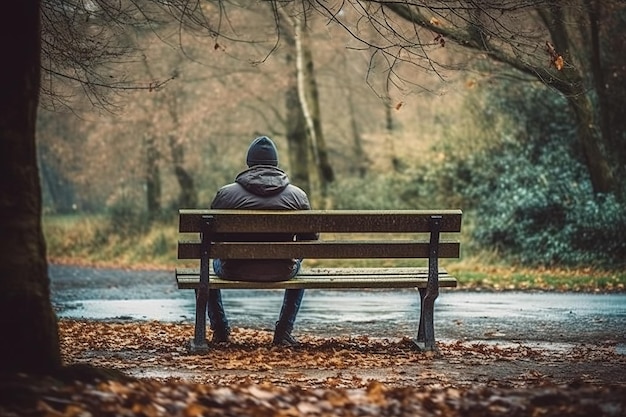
(389, 234)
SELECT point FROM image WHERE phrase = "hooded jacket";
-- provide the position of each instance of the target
(261, 187)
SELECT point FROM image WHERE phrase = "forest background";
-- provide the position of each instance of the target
(163, 117)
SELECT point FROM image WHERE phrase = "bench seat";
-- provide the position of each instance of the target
(326, 278)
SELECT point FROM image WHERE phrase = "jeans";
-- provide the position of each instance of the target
(288, 312)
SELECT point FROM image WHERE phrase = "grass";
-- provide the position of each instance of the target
(502, 278)
(92, 240)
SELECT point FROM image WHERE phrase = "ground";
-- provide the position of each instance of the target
(336, 377)
(159, 350)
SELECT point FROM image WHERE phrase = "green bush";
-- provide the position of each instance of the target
(540, 211)
(528, 190)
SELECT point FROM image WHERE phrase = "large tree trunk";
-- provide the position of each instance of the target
(29, 341)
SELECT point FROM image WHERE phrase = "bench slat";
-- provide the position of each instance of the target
(319, 250)
(326, 278)
(323, 271)
(313, 221)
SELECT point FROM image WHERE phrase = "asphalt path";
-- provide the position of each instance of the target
(548, 319)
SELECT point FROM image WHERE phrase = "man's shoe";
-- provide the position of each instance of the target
(221, 335)
(284, 339)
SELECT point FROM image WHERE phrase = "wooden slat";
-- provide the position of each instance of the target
(323, 271)
(327, 278)
(319, 250)
(312, 221)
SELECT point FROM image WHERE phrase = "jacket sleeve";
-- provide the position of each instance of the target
(305, 205)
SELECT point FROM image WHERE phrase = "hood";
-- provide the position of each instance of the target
(263, 180)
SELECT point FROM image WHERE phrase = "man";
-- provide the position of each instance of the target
(262, 186)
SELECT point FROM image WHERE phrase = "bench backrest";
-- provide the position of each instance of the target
(341, 223)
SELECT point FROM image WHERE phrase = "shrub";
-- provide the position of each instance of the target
(542, 212)
(527, 188)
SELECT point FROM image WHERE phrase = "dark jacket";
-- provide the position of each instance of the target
(261, 187)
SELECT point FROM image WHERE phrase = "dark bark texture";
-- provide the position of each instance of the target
(29, 341)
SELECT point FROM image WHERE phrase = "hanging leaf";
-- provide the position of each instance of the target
(558, 63)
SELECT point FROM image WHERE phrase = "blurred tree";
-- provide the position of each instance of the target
(320, 173)
(295, 123)
(55, 161)
(152, 176)
(188, 195)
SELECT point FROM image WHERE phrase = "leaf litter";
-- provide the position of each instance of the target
(154, 375)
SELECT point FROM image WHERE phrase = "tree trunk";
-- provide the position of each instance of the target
(396, 163)
(608, 63)
(295, 123)
(589, 122)
(188, 196)
(29, 341)
(309, 101)
(361, 161)
(312, 161)
(590, 140)
(296, 139)
(312, 93)
(152, 177)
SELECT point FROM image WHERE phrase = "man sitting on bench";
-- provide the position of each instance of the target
(262, 186)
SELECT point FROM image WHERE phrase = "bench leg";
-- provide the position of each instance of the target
(426, 333)
(420, 329)
(199, 344)
(425, 340)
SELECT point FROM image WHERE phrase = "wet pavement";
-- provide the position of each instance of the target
(529, 318)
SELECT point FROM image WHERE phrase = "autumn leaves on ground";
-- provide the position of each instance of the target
(150, 373)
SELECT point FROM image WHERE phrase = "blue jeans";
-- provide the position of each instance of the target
(288, 312)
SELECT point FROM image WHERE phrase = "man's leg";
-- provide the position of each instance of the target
(215, 310)
(288, 312)
(287, 318)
